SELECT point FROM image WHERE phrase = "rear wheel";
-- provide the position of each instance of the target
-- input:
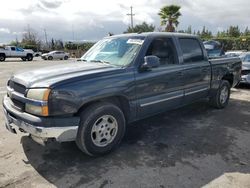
(101, 129)
(29, 57)
(2, 57)
(221, 98)
(66, 58)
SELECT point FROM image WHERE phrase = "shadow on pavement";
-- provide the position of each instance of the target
(157, 143)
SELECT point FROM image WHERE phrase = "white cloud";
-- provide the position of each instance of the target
(4, 30)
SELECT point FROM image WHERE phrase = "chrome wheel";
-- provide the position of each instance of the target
(224, 94)
(104, 130)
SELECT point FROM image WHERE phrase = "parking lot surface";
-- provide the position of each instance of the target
(193, 146)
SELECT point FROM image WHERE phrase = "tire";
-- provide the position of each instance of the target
(50, 58)
(66, 58)
(29, 57)
(23, 58)
(102, 127)
(2, 57)
(222, 95)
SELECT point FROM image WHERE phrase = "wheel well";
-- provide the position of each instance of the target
(229, 78)
(120, 101)
(2, 54)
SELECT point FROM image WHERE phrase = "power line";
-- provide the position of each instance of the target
(131, 17)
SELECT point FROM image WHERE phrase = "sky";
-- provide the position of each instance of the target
(94, 19)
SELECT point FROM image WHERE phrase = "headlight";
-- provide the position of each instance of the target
(38, 95)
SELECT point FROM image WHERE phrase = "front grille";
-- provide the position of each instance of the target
(245, 72)
(17, 87)
(18, 104)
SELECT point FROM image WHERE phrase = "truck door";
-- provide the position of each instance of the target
(197, 69)
(160, 88)
(13, 52)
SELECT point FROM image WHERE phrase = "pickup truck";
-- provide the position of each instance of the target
(121, 79)
(12, 51)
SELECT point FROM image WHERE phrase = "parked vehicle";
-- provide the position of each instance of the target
(214, 49)
(245, 73)
(12, 51)
(121, 79)
(55, 55)
(234, 53)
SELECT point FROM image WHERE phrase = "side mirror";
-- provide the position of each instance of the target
(150, 62)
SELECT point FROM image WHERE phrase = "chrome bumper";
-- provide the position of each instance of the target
(39, 133)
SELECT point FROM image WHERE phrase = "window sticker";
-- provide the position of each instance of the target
(135, 41)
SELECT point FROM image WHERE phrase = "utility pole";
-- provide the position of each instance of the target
(131, 17)
(46, 39)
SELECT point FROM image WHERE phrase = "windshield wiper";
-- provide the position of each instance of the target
(100, 61)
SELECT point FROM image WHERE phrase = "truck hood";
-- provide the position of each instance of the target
(48, 76)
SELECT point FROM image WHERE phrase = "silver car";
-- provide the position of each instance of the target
(55, 55)
(245, 73)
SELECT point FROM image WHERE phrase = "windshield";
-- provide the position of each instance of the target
(115, 51)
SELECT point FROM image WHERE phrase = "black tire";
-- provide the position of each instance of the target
(89, 119)
(217, 100)
(29, 57)
(2, 57)
(50, 58)
(66, 58)
(23, 58)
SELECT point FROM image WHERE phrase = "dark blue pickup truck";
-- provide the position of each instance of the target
(121, 79)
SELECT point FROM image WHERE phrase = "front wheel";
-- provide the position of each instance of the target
(23, 58)
(2, 57)
(222, 95)
(66, 58)
(101, 129)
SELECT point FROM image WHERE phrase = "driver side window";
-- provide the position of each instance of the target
(164, 49)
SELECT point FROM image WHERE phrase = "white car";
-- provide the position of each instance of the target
(234, 53)
(13, 51)
(245, 73)
(55, 55)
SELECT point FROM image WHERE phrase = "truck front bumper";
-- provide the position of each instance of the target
(41, 129)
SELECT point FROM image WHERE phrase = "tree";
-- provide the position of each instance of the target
(52, 44)
(144, 27)
(233, 31)
(205, 33)
(189, 30)
(169, 17)
(30, 39)
(246, 32)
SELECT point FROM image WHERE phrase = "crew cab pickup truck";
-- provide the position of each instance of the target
(121, 79)
(12, 51)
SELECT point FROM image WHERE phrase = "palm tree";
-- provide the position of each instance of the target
(169, 17)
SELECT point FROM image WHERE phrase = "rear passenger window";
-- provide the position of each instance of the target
(191, 49)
